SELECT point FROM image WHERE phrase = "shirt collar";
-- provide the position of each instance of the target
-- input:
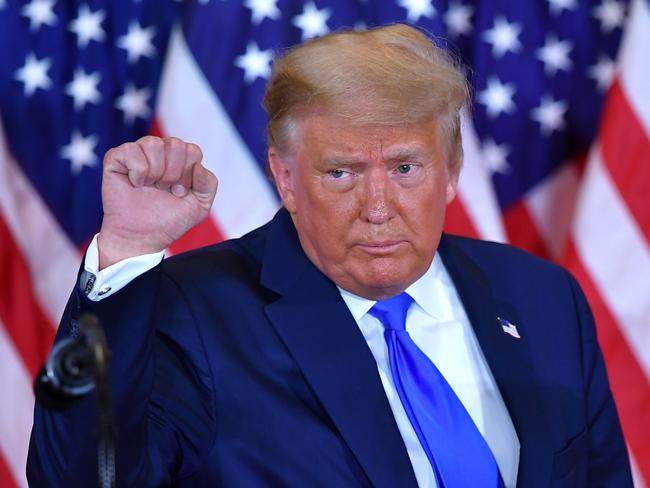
(432, 293)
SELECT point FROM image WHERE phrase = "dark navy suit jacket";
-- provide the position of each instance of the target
(239, 365)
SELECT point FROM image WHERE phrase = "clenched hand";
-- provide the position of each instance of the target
(153, 191)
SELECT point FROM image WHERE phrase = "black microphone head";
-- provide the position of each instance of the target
(67, 376)
(49, 397)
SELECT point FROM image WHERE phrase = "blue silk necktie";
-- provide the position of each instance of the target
(459, 455)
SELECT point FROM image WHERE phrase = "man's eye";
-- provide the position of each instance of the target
(404, 168)
(337, 173)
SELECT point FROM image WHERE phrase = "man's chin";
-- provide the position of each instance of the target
(383, 284)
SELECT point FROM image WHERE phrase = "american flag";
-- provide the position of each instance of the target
(557, 147)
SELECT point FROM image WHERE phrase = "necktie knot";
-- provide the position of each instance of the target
(392, 312)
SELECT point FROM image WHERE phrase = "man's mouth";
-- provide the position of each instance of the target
(381, 248)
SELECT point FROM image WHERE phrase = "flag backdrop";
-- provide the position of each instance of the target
(557, 147)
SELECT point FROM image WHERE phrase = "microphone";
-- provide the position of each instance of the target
(76, 366)
(69, 372)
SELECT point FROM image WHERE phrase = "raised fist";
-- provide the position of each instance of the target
(153, 191)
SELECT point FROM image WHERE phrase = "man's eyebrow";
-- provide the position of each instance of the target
(338, 161)
(394, 154)
(404, 153)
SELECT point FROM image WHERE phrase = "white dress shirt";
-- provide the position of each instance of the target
(436, 322)
(116, 276)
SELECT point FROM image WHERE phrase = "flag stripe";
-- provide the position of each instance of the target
(633, 61)
(614, 251)
(21, 313)
(637, 477)
(16, 418)
(550, 206)
(475, 188)
(6, 478)
(522, 231)
(457, 221)
(626, 148)
(629, 382)
(184, 93)
(53, 268)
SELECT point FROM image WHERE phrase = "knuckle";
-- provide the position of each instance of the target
(129, 148)
(111, 154)
(175, 152)
(174, 143)
(194, 152)
(151, 143)
(133, 157)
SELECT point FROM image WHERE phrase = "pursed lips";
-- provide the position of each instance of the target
(381, 247)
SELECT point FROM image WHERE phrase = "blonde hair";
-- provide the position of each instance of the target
(389, 75)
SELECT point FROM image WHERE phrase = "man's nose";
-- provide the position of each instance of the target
(377, 197)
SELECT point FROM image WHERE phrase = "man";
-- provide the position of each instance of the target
(345, 343)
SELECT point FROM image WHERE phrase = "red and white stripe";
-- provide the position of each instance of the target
(39, 269)
(476, 211)
(596, 223)
(610, 237)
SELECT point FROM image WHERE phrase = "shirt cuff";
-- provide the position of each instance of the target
(97, 285)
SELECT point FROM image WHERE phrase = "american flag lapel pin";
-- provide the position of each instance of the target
(509, 328)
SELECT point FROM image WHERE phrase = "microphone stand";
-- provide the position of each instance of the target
(105, 429)
(76, 366)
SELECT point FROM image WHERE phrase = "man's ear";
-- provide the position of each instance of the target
(452, 185)
(281, 167)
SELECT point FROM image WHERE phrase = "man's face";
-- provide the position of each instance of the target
(368, 202)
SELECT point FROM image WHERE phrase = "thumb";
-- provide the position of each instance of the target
(204, 184)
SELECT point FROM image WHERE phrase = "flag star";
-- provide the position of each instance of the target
(312, 22)
(611, 14)
(558, 5)
(255, 63)
(260, 9)
(80, 152)
(39, 12)
(133, 103)
(497, 97)
(34, 74)
(458, 18)
(88, 26)
(603, 72)
(83, 88)
(415, 9)
(495, 156)
(137, 42)
(550, 115)
(503, 36)
(555, 55)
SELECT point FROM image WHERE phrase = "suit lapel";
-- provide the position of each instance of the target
(509, 360)
(326, 343)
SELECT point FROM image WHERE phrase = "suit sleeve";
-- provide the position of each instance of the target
(608, 459)
(157, 439)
